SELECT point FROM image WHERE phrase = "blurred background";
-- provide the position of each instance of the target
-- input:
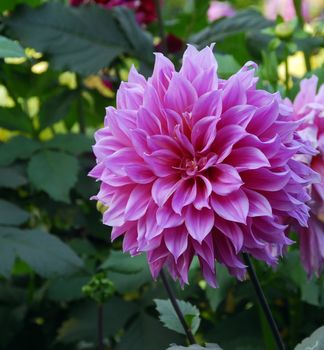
(60, 65)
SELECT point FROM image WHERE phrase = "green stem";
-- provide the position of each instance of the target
(307, 62)
(263, 302)
(81, 119)
(286, 72)
(100, 325)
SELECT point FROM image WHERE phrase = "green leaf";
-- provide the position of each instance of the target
(130, 282)
(67, 289)
(310, 292)
(196, 347)
(225, 281)
(56, 108)
(43, 252)
(10, 48)
(72, 143)
(15, 119)
(314, 342)
(85, 39)
(146, 333)
(124, 263)
(10, 214)
(244, 21)
(18, 147)
(12, 177)
(53, 172)
(170, 319)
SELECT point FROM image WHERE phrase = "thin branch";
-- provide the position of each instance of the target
(100, 325)
(263, 302)
(177, 309)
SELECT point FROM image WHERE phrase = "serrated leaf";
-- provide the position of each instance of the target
(10, 214)
(10, 48)
(12, 177)
(124, 263)
(170, 319)
(18, 147)
(314, 342)
(85, 39)
(53, 172)
(43, 252)
(195, 347)
(72, 143)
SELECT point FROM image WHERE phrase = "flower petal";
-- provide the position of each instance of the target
(233, 207)
(199, 222)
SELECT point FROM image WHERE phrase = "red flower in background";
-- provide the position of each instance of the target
(144, 9)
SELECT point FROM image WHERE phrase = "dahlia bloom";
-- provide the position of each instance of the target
(219, 9)
(193, 165)
(285, 9)
(144, 9)
(309, 108)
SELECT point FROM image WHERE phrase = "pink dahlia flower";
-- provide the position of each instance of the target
(309, 108)
(285, 9)
(191, 164)
(219, 9)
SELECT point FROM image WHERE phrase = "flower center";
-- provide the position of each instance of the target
(192, 166)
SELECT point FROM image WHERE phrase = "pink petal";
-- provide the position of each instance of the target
(224, 179)
(148, 122)
(258, 204)
(233, 207)
(176, 240)
(140, 173)
(245, 158)
(162, 162)
(180, 96)
(163, 188)
(184, 195)
(232, 231)
(199, 222)
(166, 217)
(138, 202)
(209, 104)
(204, 133)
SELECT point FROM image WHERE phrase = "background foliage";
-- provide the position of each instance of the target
(54, 62)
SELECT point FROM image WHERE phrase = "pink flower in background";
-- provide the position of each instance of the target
(285, 9)
(219, 9)
(309, 108)
(144, 9)
(192, 165)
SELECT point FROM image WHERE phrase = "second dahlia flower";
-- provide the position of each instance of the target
(309, 108)
(219, 9)
(193, 165)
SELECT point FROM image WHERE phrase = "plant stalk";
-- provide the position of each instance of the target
(263, 302)
(100, 325)
(177, 309)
